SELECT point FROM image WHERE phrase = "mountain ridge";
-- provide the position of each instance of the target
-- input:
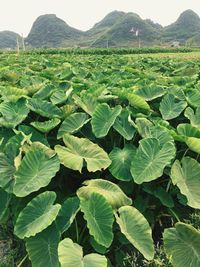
(116, 29)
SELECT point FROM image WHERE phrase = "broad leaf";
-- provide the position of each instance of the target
(99, 216)
(103, 118)
(150, 160)
(194, 117)
(170, 108)
(71, 255)
(45, 92)
(123, 127)
(138, 102)
(13, 113)
(193, 98)
(60, 96)
(36, 170)
(37, 215)
(121, 162)
(150, 92)
(13, 94)
(190, 135)
(73, 123)
(78, 150)
(137, 230)
(67, 214)
(7, 171)
(43, 248)
(182, 245)
(186, 175)
(44, 108)
(45, 126)
(113, 194)
(87, 103)
(188, 130)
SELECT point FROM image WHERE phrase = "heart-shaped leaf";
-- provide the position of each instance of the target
(73, 123)
(37, 215)
(121, 162)
(150, 159)
(78, 150)
(43, 248)
(112, 192)
(170, 108)
(36, 170)
(71, 255)
(186, 175)
(103, 118)
(182, 245)
(137, 230)
(99, 216)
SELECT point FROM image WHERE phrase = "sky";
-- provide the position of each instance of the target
(19, 15)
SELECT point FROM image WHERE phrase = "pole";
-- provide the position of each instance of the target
(17, 45)
(23, 44)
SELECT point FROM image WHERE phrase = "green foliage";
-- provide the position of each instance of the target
(182, 244)
(107, 168)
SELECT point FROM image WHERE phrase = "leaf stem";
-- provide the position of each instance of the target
(77, 232)
(175, 215)
(22, 261)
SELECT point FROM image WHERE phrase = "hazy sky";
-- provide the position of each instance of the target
(19, 15)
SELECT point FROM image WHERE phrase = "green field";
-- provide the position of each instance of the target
(99, 153)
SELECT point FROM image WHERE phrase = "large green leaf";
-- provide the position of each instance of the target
(7, 171)
(123, 127)
(36, 170)
(138, 102)
(159, 133)
(43, 248)
(150, 92)
(73, 123)
(121, 162)
(13, 94)
(170, 108)
(103, 118)
(186, 175)
(99, 216)
(45, 126)
(190, 135)
(71, 255)
(87, 103)
(182, 245)
(78, 150)
(45, 92)
(136, 229)
(67, 214)
(13, 113)
(193, 98)
(60, 96)
(37, 215)
(150, 159)
(194, 117)
(112, 192)
(44, 108)
(188, 130)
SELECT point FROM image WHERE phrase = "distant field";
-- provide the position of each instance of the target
(181, 56)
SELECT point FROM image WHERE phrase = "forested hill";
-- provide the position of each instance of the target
(117, 29)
